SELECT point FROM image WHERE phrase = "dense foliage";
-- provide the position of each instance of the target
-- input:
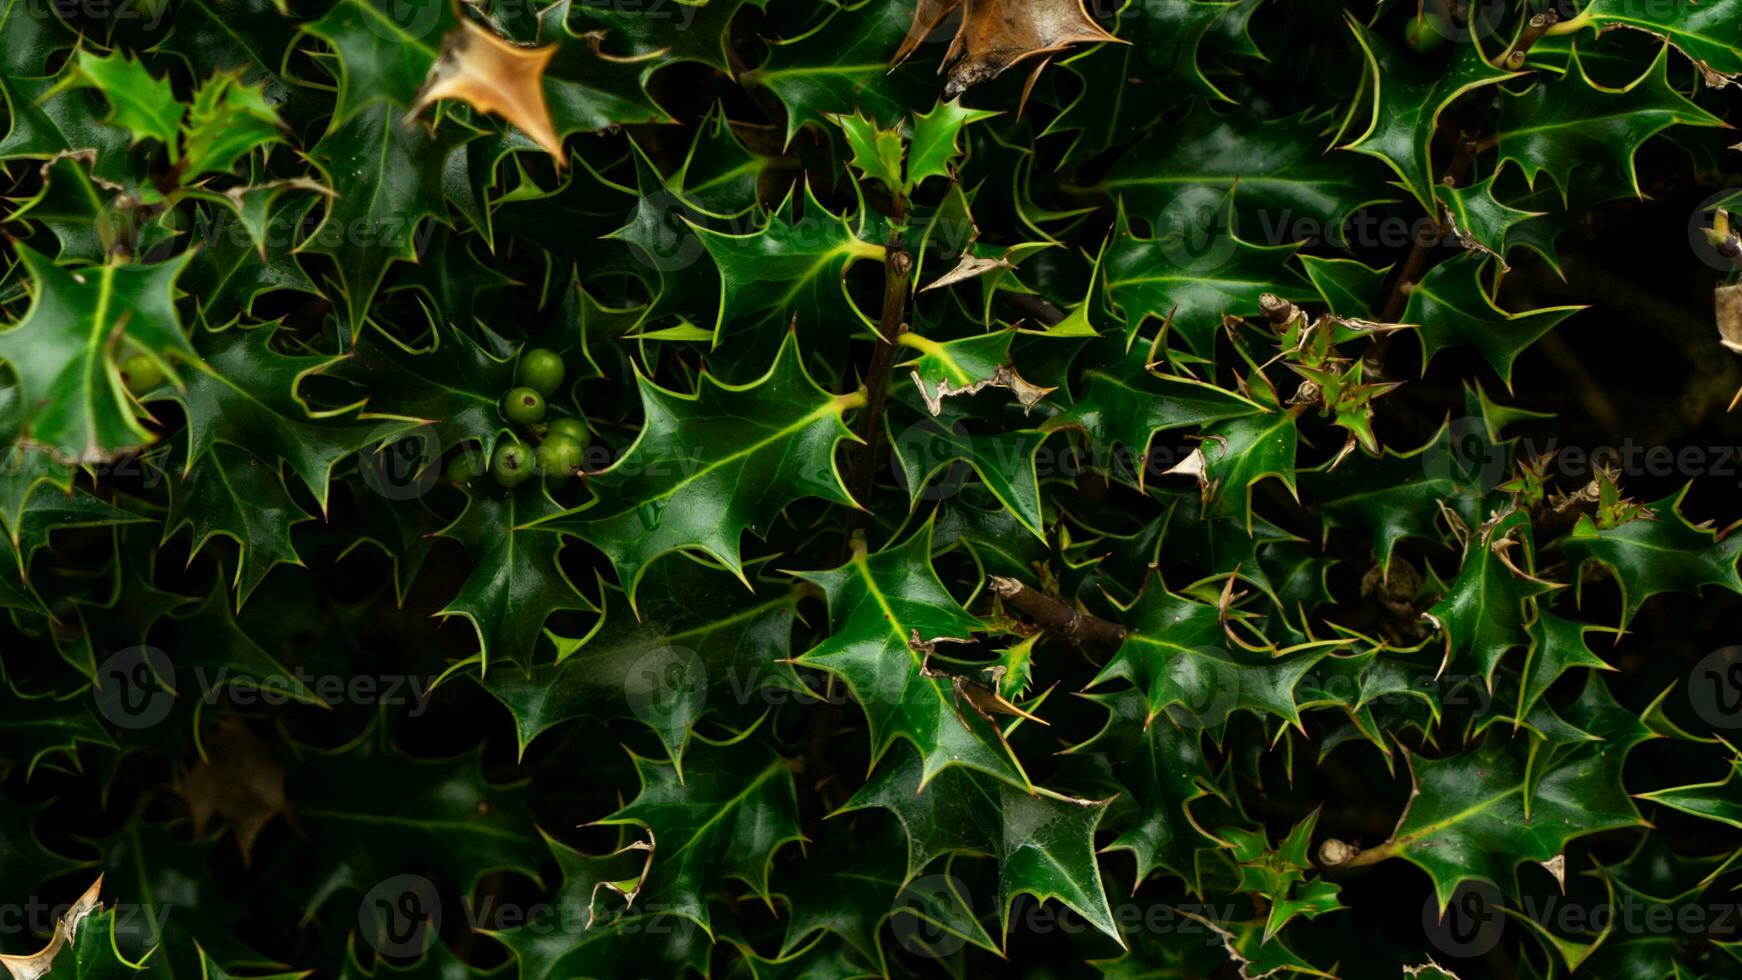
(824, 488)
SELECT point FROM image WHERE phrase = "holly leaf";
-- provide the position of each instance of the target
(1195, 272)
(243, 392)
(725, 820)
(1452, 307)
(1347, 287)
(450, 379)
(67, 350)
(516, 581)
(966, 366)
(1484, 610)
(790, 268)
(1290, 188)
(1654, 554)
(234, 495)
(839, 65)
(1006, 461)
(1395, 496)
(1237, 454)
(699, 646)
(1175, 653)
(385, 50)
(392, 182)
(142, 105)
(245, 37)
(229, 119)
(1162, 766)
(888, 613)
(493, 75)
(1043, 842)
(1126, 403)
(80, 210)
(590, 936)
(52, 115)
(1477, 220)
(1479, 814)
(1407, 101)
(1158, 65)
(1719, 802)
(1572, 121)
(1700, 31)
(694, 32)
(44, 727)
(246, 252)
(589, 90)
(935, 146)
(878, 153)
(709, 466)
(840, 892)
(996, 34)
(1557, 645)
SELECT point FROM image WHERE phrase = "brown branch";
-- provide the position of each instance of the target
(1056, 617)
(1033, 307)
(897, 269)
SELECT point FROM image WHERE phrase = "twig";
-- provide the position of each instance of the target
(897, 268)
(1033, 307)
(1056, 617)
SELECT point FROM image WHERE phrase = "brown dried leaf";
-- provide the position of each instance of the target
(996, 34)
(927, 15)
(1027, 393)
(239, 780)
(38, 964)
(492, 75)
(969, 267)
(1727, 304)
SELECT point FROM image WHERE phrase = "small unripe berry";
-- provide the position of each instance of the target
(523, 406)
(540, 370)
(512, 464)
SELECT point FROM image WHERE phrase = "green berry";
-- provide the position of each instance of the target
(512, 464)
(559, 456)
(141, 374)
(523, 406)
(1427, 32)
(540, 370)
(574, 429)
(466, 466)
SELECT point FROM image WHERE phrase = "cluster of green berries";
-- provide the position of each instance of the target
(564, 440)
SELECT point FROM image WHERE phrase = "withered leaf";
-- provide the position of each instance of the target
(239, 780)
(39, 964)
(493, 75)
(996, 34)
